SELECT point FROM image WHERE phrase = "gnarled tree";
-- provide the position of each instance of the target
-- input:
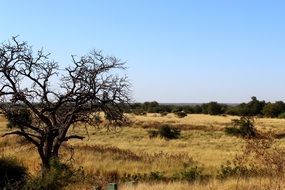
(43, 101)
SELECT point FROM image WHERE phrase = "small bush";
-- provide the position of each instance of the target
(57, 177)
(281, 115)
(149, 177)
(230, 170)
(134, 177)
(12, 173)
(180, 114)
(243, 127)
(232, 131)
(169, 132)
(163, 114)
(156, 176)
(165, 131)
(139, 112)
(193, 174)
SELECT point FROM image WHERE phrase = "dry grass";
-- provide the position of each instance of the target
(130, 150)
(208, 121)
(230, 184)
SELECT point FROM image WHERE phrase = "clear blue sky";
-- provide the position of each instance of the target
(176, 51)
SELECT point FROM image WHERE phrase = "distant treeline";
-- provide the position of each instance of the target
(252, 108)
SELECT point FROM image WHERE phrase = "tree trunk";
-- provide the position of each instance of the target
(47, 153)
(47, 163)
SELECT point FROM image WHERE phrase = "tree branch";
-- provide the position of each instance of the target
(73, 137)
(28, 136)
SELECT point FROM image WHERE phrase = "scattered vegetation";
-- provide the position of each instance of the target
(233, 169)
(198, 156)
(254, 107)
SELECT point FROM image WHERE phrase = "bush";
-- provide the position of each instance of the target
(156, 176)
(165, 131)
(232, 131)
(163, 113)
(169, 132)
(192, 174)
(57, 177)
(273, 109)
(139, 112)
(230, 170)
(243, 127)
(281, 115)
(12, 173)
(180, 114)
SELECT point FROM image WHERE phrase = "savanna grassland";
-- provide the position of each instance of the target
(194, 161)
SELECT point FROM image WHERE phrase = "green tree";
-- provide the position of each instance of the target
(252, 108)
(212, 108)
(273, 109)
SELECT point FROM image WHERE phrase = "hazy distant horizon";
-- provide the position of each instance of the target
(199, 103)
(169, 103)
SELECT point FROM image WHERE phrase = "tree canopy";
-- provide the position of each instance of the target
(42, 101)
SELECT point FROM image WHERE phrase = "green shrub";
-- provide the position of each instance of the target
(193, 174)
(243, 127)
(165, 131)
(163, 114)
(134, 177)
(156, 176)
(232, 170)
(139, 112)
(148, 177)
(169, 132)
(227, 171)
(180, 114)
(233, 131)
(12, 173)
(57, 177)
(281, 115)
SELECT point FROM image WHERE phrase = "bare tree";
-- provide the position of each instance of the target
(41, 111)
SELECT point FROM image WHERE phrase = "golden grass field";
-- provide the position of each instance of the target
(129, 150)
